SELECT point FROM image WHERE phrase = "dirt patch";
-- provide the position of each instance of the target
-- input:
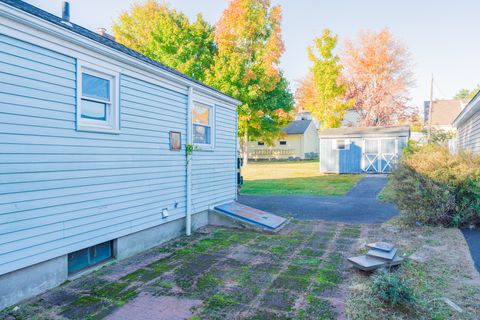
(437, 265)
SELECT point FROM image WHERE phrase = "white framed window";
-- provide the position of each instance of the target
(283, 143)
(202, 125)
(341, 144)
(97, 100)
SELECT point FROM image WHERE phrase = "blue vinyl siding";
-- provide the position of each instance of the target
(214, 172)
(468, 136)
(63, 190)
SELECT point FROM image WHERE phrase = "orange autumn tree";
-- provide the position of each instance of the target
(246, 66)
(377, 70)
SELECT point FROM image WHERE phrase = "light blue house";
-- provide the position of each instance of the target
(89, 163)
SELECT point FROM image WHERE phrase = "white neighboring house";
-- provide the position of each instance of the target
(467, 124)
(299, 142)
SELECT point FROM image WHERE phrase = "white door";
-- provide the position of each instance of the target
(379, 155)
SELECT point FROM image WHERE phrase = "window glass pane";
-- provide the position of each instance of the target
(201, 134)
(95, 87)
(340, 144)
(94, 110)
(201, 114)
(84, 258)
(78, 260)
(100, 252)
(283, 143)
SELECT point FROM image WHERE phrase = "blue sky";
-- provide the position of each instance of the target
(442, 36)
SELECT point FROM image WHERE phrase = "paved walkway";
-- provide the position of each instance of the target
(473, 239)
(360, 205)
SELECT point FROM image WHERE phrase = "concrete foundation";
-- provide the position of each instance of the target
(28, 282)
(143, 240)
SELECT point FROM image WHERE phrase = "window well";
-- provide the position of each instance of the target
(89, 257)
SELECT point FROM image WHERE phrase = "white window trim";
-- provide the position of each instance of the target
(345, 141)
(211, 114)
(112, 125)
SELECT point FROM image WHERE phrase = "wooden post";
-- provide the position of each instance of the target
(430, 111)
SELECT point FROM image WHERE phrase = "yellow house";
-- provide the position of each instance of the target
(299, 142)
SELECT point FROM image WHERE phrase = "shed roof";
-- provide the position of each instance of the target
(47, 16)
(297, 127)
(352, 132)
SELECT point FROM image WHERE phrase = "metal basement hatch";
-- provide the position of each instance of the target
(251, 215)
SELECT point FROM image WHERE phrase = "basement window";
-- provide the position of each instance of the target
(283, 143)
(89, 257)
(97, 103)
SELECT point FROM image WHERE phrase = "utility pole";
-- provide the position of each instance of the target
(430, 111)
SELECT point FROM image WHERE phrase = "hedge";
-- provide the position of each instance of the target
(431, 186)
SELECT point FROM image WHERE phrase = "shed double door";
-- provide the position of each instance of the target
(379, 155)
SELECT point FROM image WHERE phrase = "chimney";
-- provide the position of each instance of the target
(66, 11)
(103, 32)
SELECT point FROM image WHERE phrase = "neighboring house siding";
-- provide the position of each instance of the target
(213, 171)
(310, 141)
(63, 190)
(468, 134)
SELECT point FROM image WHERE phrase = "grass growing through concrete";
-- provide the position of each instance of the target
(294, 178)
(438, 266)
(237, 274)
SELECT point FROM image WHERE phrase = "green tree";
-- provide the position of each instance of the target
(276, 104)
(467, 94)
(246, 66)
(322, 92)
(166, 35)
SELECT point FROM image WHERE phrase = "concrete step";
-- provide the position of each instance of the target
(387, 255)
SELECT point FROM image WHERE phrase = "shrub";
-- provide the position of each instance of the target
(392, 290)
(434, 187)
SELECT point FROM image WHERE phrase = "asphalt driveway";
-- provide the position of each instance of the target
(472, 236)
(360, 205)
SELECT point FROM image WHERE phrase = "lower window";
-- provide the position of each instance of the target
(88, 257)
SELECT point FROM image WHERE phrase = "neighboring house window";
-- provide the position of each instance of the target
(342, 144)
(98, 107)
(260, 143)
(88, 257)
(283, 143)
(202, 118)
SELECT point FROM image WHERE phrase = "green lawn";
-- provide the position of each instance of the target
(294, 178)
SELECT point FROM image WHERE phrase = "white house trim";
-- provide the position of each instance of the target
(113, 119)
(472, 107)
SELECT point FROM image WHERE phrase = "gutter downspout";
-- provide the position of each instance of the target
(188, 168)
